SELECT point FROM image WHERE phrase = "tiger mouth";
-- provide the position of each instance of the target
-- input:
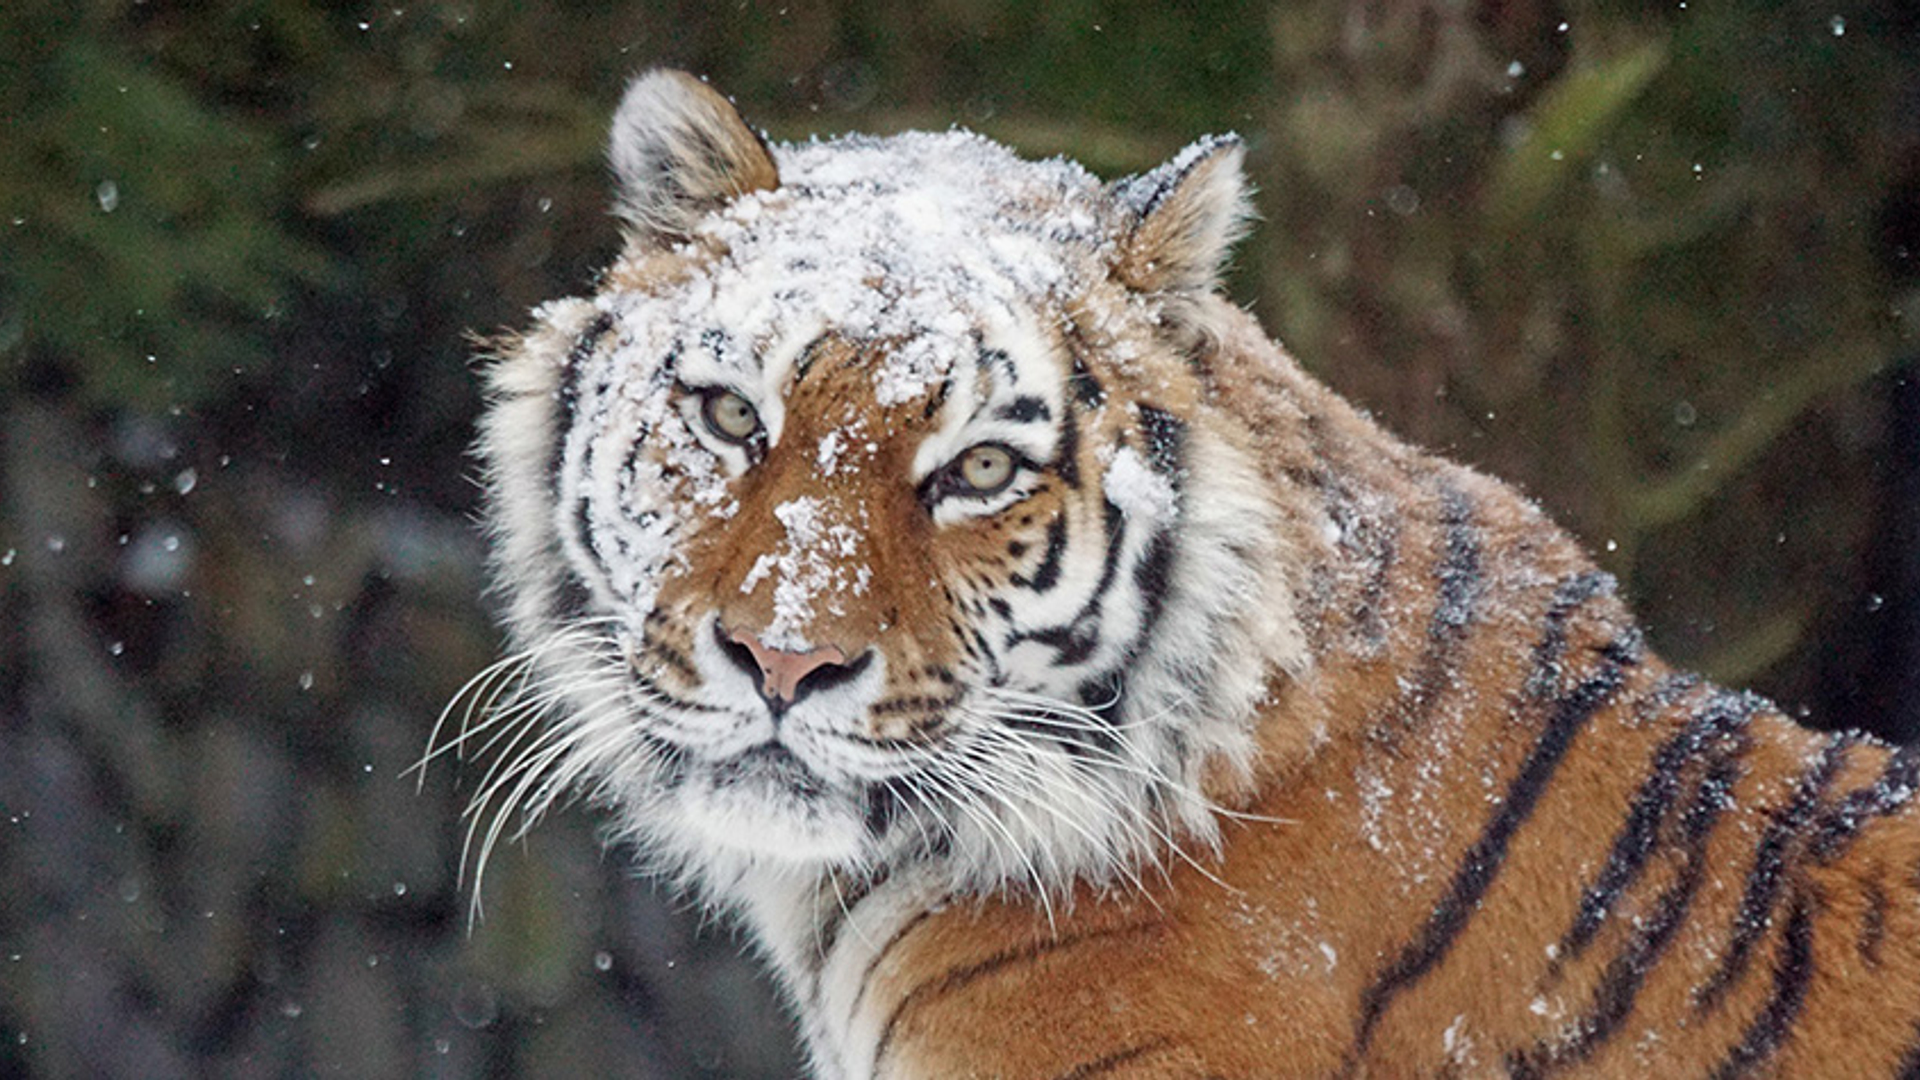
(770, 765)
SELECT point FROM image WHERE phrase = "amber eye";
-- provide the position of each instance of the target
(730, 416)
(986, 469)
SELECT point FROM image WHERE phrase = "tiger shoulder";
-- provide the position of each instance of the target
(923, 562)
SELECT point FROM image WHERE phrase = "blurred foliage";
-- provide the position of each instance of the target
(1616, 256)
(146, 225)
(1645, 259)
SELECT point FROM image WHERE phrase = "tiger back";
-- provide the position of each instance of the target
(922, 561)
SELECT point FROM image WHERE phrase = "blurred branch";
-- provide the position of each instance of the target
(1566, 127)
(1733, 190)
(509, 131)
(1777, 634)
(495, 157)
(1649, 506)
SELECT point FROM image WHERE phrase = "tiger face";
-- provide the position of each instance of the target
(870, 512)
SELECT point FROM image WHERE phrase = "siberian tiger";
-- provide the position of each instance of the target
(923, 561)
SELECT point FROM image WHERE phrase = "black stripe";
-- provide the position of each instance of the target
(1376, 542)
(839, 907)
(1769, 872)
(1077, 639)
(1024, 409)
(1066, 452)
(1837, 827)
(648, 686)
(1153, 577)
(1909, 1068)
(1572, 592)
(1071, 644)
(1107, 1063)
(1619, 986)
(1106, 697)
(1082, 383)
(1166, 437)
(571, 597)
(1369, 531)
(1103, 696)
(1370, 536)
(1483, 860)
(885, 800)
(582, 516)
(959, 978)
(938, 397)
(1048, 574)
(1721, 714)
(804, 363)
(1459, 568)
(1873, 924)
(873, 962)
(988, 358)
(1458, 574)
(571, 374)
(1791, 974)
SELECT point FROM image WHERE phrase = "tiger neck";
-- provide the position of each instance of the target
(825, 934)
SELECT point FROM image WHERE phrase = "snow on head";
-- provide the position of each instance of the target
(904, 241)
(906, 246)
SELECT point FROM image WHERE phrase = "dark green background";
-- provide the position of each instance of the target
(1654, 261)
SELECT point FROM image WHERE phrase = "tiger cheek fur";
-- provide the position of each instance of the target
(924, 563)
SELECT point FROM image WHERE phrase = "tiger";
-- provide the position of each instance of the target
(918, 557)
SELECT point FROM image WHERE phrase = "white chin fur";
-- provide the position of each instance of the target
(761, 818)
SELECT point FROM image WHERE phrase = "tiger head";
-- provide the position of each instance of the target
(875, 510)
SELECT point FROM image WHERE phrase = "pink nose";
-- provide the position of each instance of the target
(782, 670)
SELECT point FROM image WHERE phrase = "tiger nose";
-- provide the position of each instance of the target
(781, 671)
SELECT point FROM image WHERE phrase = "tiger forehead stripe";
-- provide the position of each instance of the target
(920, 558)
(1005, 392)
(1024, 409)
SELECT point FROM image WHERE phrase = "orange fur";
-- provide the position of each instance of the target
(1267, 970)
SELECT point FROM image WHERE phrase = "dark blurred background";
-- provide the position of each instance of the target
(1653, 261)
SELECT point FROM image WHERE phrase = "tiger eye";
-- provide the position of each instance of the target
(986, 469)
(730, 416)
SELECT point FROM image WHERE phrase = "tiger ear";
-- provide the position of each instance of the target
(679, 152)
(1181, 220)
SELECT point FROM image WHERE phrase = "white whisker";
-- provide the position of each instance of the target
(1120, 823)
(964, 797)
(1106, 804)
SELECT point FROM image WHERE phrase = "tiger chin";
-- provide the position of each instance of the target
(920, 559)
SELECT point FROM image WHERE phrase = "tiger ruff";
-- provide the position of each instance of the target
(920, 559)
